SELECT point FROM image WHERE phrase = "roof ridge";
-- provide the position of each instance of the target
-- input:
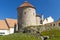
(11, 19)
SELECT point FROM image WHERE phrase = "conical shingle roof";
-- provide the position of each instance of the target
(26, 4)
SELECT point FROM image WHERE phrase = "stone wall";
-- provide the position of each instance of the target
(26, 16)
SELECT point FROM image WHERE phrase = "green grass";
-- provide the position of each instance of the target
(20, 36)
(54, 38)
(53, 34)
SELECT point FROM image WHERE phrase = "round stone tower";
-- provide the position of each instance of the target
(26, 15)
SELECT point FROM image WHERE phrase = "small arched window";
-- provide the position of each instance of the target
(24, 12)
(50, 24)
(53, 24)
(59, 24)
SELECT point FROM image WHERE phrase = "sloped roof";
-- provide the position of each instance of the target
(11, 22)
(3, 25)
(26, 4)
(38, 15)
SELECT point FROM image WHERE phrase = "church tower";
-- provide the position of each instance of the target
(42, 18)
(26, 15)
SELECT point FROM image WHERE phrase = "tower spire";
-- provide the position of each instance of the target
(42, 18)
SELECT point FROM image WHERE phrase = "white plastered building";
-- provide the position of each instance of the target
(8, 26)
(48, 20)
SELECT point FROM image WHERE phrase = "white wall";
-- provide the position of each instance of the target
(7, 32)
(4, 31)
(11, 30)
(17, 28)
(37, 20)
(50, 19)
(45, 21)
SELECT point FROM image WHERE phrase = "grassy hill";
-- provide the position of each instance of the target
(53, 34)
(19, 36)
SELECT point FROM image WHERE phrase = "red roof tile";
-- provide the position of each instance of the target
(26, 4)
(11, 22)
(3, 25)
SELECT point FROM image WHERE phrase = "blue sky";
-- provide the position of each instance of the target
(8, 8)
